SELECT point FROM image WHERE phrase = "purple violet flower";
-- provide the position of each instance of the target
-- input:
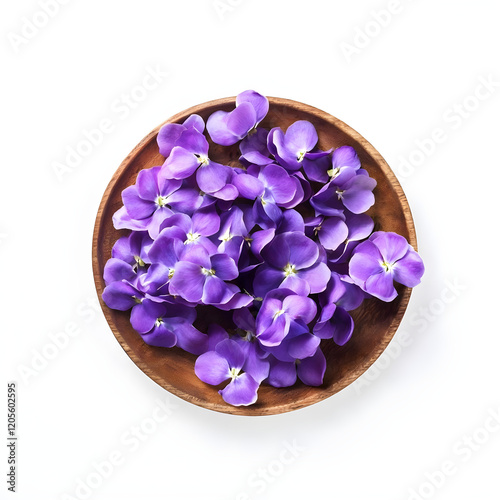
(350, 189)
(291, 261)
(254, 149)
(344, 160)
(279, 310)
(383, 259)
(190, 156)
(167, 325)
(334, 321)
(330, 231)
(227, 362)
(201, 278)
(272, 187)
(293, 147)
(170, 135)
(227, 129)
(310, 370)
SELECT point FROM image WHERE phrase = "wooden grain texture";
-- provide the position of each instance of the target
(376, 322)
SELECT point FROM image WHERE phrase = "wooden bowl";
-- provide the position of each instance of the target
(376, 321)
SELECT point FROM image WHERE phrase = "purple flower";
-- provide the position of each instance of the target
(271, 187)
(350, 189)
(228, 128)
(344, 160)
(200, 277)
(291, 261)
(330, 231)
(190, 156)
(233, 233)
(334, 321)
(254, 149)
(167, 325)
(382, 259)
(170, 135)
(279, 310)
(255, 362)
(153, 198)
(193, 231)
(359, 227)
(310, 370)
(227, 362)
(164, 254)
(129, 258)
(294, 146)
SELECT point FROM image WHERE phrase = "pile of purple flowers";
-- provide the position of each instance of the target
(282, 246)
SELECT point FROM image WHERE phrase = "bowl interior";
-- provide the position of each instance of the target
(375, 321)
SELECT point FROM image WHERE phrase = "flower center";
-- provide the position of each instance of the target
(191, 237)
(161, 201)
(137, 300)
(158, 321)
(202, 160)
(317, 229)
(300, 155)
(278, 313)
(138, 261)
(333, 172)
(171, 273)
(340, 193)
(234, 372)
(387, 266)
(208, 272)
(289, 269)
(226, 236)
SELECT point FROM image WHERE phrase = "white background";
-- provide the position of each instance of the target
(381, 438)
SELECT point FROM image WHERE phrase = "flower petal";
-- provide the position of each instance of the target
(248, 186)
(333, 233)
(224, 267)
(218, 131)
(160, 336)
(187, 281)
(144, 315)
(345, 156)
(242, 391)
(258, 101)
(117, 270)
(365, 262)
(301, 136)
(188, 337)
(241, 120)
(212, 177)
(281, 373)
(409, 270)
(137, 207)
(381, 286)
(212, 368)
(180, 164)
(299, 307)
(312, 370)
(232, 352)
(266, 279)
(392, 246)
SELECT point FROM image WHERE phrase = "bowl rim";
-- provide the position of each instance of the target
(277, 408)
